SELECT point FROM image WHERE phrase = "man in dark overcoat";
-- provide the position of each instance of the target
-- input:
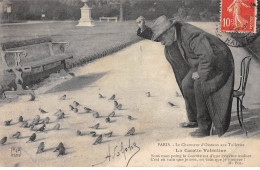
(204, 69)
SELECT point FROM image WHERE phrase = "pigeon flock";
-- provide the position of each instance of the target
(39, 125)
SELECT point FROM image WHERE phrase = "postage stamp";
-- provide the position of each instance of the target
(238, 16)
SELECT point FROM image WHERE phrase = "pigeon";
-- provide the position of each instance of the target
(93, 133)
(109, 134)
(32, 138)
(58, 112)
(171, 104)
(79, 133)
(58, 147)
(37, 118)
(101, 96)
(32, 97)
(3, 140)
(25, 124)
(112, 97)
(112, 114)
(46, 120)
(87, 109)
(75, 103)
(95, 115)
(96, 126)
(56, 127)
(177, 94)
(115, 103)
(42, 111)
(148, 94)
(36, 122)
(71, 107)
(119, 107)
(61, 151)
(63, 97)
(8, 122)
(98, 140)
(130, 117)
(41, 129)
(130, 132)
(61, 115)
(41, 148)
(107, 120)
(75, 110)
(31, 127)
(20, 119)
(16, 135)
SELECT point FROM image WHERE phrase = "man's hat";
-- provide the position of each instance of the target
(161, 25)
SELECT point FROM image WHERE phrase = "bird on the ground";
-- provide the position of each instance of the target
(41, 129)
(109, 134)
(130, 117)
(61, 151)
(32, 138)
(56, 127)
(25, 124)
(61, 115)
(171, 104)
(76, 104)
(58, 112)
(41, 121)
(41, 148)
(46, 120)
(177, 94)
(20, 119)
(112, 97)
(71, 107)
(8, 122)
(87, 110)
(58, 147)
(95, 115)
(148, 94)
(119, 107)
(107, 120)
(112, 114)
(96, 126)
(16, 135)
(130, 132)
(31, 126)
(3, 140)
(101, 96)
(98, 140)
(93, 133)
(79, 133)
(75, 110)
(37, 117)
(36, 122)
(115, 103)
(63, 97)
(32, 97)
(42, 111)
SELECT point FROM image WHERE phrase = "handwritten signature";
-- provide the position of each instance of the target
(119, 151)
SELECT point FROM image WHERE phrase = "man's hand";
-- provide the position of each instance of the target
(195, 75)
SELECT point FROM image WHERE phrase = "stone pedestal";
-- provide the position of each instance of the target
(85, 19)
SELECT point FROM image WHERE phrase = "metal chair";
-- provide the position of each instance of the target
(239, 93)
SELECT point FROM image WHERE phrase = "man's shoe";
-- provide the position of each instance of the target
(188, 124)
(200, 133)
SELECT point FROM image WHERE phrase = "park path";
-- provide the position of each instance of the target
(129, 74)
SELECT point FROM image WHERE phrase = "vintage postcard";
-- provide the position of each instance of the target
(129, 83)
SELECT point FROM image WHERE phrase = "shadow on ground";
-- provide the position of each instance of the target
(251, 121)
(76, 83)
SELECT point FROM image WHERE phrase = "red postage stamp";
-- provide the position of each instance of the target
(238, 16)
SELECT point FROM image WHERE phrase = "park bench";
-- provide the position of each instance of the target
(31, 60)
(107, 18)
